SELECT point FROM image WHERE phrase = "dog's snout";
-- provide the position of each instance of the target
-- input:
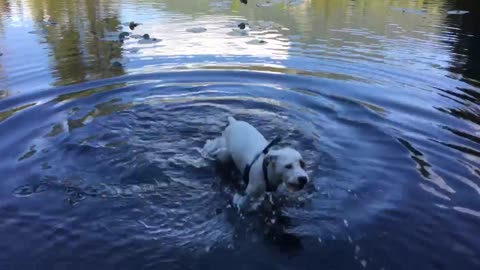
(302, 180)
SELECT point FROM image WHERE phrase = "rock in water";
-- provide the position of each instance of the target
(197, 30)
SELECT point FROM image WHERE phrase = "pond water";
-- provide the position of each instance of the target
(101, 139)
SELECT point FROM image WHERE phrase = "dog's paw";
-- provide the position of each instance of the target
(210, 148)
(216, 149)
(239, 201)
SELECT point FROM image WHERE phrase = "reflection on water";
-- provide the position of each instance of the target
(102, 135)
(395, 33)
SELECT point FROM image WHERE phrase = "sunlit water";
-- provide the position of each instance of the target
(101, 141)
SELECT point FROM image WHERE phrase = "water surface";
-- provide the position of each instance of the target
(101, 140)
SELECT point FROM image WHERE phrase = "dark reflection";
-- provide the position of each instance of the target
(4, 10)
(417, 156)
(275, 225)
(469, 113)
(466, 56)
(269, 221)
(80, 52)
(267, 225)
(467, 47)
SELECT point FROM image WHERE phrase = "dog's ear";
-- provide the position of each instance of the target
(270, 160)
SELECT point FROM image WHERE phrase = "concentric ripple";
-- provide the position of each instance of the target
(101, 138)
(131, 150)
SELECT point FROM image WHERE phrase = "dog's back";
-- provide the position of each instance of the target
(243, 141)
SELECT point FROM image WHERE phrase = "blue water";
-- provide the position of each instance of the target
(101, 141)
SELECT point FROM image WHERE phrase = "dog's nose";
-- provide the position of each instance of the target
(302, 180)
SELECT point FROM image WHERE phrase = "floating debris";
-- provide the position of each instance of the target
(457, 12)
(345, 222)
(257, 42)
(357, 249)
(132, 25)
(364, 263)
(319, 239)
(197, 30)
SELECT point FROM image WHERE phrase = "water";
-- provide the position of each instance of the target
(101, 163)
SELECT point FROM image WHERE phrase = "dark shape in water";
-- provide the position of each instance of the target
(242, 25)
(132, 25)
(122, 35)
(116, 64)
(244, 1)
(23, 191)
(51, 22)
(146, 36)
(75, 198)
(91, 191)
(41, 188)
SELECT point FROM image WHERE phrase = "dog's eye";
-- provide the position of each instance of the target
(302, 164)
(289, 166)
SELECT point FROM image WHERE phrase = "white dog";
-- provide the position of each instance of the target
(263, 168)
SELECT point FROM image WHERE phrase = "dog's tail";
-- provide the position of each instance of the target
(231, 120)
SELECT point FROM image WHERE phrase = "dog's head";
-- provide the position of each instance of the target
(287, 165)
